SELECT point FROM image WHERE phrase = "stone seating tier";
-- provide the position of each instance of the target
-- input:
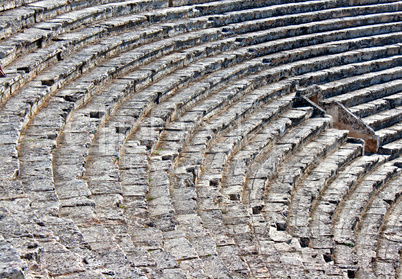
(180, 139)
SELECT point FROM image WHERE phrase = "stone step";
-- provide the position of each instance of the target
(323, 209)
(389, 134)
(394, 148)
(368, 228)
(214, 7)
(307, 190)
(384, 119)
(277, 9)
(350, 210)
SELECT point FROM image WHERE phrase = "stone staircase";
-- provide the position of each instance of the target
(190, 139)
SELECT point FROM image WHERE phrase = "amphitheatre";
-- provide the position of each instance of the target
(201, 139)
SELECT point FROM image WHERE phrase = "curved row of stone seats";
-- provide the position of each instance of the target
(43, 20)
(378, 105)
(370, 73)
(350, 210)
(270, 215)
(56, 53)
(383, 114)
(331, 195)
(371, 100)
(384, 119)
(308, 189)
(39, 103)
(42, 33)
(59, 50)
(47, 6)
(24, 69)
(225, 235)
(316, 200)
(280, 189)
(271, 15)
(369, 229)
(388, 260)
(99, 30)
